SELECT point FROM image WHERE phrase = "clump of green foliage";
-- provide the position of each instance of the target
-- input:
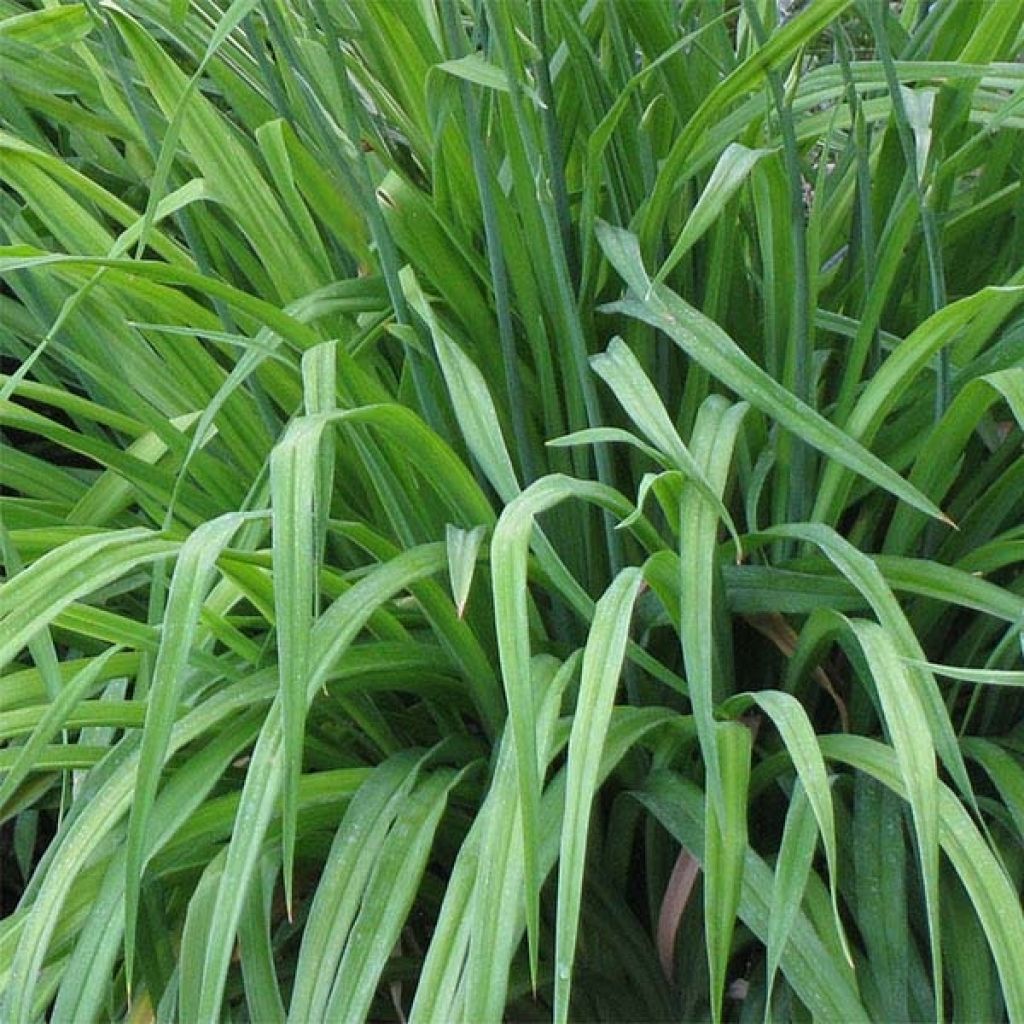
(477, 510)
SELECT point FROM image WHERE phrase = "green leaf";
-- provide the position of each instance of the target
(293, 464)
(818, 979)
(256, 950)
(53, 718)
(389, 896)
(355, 851)
(865, 576)
(227, 167)
(714, 438)
(602, 665)
(472, 402)
(906, 724)
(463, 548)
(192, 576)
(797, 733)
(39, 593)
(792, 868)
(731, 171)
(332, 634)
(495, 910)
(725, 845)
(607, 435)
(707, 344)
(897, 373)
(50, 28)
(622, 372)
(473, 67)
(981, 872)
(879, 875)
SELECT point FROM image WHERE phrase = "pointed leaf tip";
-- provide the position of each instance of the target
(463, 548)
(622, 248)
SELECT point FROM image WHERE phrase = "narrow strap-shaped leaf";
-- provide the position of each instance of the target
(714, 438)
(861, 571)
(49, 27)
(731, 171)
(496, 908)
(1005, 771)
(389, 896)
(608, 435)
(199, 922)
(293, 481)
(797, 732)
(463, 548)
(622, 372)
(915, 754)
(707, 344)
(332, 634)
(319, 392)
(192, 576)
(53, 720)
(603, 657)
(880, 891)
(992, 893)
(937, 456)
(827, 991)
(509, 547)
(35, 596)
(85, 981)
(792, 868)
(226, 164)
(103, 804)
(985, 676)
(725, 847)
(897, 373)
(41, 645)
(781, 47)
(262, 991)
(354, 852)
(471, 399)
(445, 959)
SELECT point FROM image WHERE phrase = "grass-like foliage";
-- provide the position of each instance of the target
(511, 509)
